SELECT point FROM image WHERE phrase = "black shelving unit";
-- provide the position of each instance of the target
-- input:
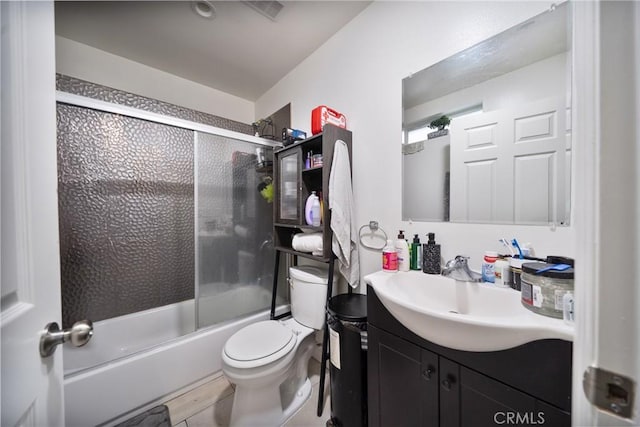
(293, 184)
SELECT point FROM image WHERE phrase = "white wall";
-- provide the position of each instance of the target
(97, 66)
(359, 72)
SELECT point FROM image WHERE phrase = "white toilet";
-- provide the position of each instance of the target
(267, 361)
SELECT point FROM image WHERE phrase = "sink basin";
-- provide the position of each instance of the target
(463, 315)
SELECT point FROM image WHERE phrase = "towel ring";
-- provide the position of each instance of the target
(373, 227)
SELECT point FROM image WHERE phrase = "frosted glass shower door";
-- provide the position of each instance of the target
(126, 209)
(234, 229)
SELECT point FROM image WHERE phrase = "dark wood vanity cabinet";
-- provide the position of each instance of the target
(414, 382)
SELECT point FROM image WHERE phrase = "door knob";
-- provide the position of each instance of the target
(79, 334)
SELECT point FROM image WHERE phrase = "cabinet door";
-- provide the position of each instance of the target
(449, 393)
(487, 402)
(403, 383)
(429, 388)
(289, 187)
(550, 416)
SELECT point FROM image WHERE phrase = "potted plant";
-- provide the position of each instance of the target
(439, 124)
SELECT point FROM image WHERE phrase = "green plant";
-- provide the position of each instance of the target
(440, 123)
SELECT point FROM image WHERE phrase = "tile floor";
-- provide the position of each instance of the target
(210, 404)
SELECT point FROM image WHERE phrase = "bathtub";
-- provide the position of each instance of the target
(113, 374)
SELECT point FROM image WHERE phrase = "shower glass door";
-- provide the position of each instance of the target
(234, 223)
(126, 208)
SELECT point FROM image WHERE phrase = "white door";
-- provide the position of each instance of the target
(509, 165)
(538, 162)
(607, 212)
(478, 153)
(32, 387)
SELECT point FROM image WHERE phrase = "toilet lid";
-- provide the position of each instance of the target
(260, 340)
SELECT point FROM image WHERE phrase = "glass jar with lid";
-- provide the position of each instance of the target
(543, 291)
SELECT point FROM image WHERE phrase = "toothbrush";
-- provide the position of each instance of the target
(514, 242)
(556, 267)
(506, 244)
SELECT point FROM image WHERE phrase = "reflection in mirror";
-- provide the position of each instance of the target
(506, 155)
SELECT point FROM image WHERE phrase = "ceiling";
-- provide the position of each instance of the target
(239, 51)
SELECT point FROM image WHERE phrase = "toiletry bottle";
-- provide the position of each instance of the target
(389, 258)
(402, 247)
(416, 254)
(307, 162)
(308, 208)
(315, 210)
(431, 256)
(515, 265)
(488, 266)
(502, 273)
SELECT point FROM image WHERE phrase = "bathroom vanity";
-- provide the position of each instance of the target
(415, 382)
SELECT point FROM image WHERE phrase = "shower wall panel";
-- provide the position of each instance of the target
(126, 207)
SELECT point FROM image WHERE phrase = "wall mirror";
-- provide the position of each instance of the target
(505, 157)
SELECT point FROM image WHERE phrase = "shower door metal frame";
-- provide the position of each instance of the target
(124, 110)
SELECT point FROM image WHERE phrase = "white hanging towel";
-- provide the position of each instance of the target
(344, 242)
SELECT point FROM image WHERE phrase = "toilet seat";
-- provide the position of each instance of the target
(259, 344)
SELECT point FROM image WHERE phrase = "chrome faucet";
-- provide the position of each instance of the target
(458, 269)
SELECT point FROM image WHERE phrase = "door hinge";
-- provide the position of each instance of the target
(609, 391)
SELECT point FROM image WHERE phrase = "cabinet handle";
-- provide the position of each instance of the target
(446, 383)
(428, 372)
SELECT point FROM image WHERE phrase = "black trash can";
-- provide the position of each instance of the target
(347, 321)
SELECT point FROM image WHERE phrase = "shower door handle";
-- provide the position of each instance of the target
(79, 334)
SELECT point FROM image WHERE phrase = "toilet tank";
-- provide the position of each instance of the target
(308, 288)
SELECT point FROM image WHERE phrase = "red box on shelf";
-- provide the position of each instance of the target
(322, 115)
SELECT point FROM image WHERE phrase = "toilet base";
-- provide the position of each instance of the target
(265, 406)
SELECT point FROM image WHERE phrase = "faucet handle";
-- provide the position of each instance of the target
(461, 259)
(457, 261)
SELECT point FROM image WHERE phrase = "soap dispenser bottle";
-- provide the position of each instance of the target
(431, 255)
(416, 254)
(402, 247)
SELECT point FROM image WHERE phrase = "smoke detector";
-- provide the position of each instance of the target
(204, 8)
(270, 9)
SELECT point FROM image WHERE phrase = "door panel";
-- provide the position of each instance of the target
(534, 178)
(481, 197)
(449, 393)
(540, 143)
(400, 382)
(429, 415)
(477, 150)
(510, 165)
(485, 402)
(31, 386)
